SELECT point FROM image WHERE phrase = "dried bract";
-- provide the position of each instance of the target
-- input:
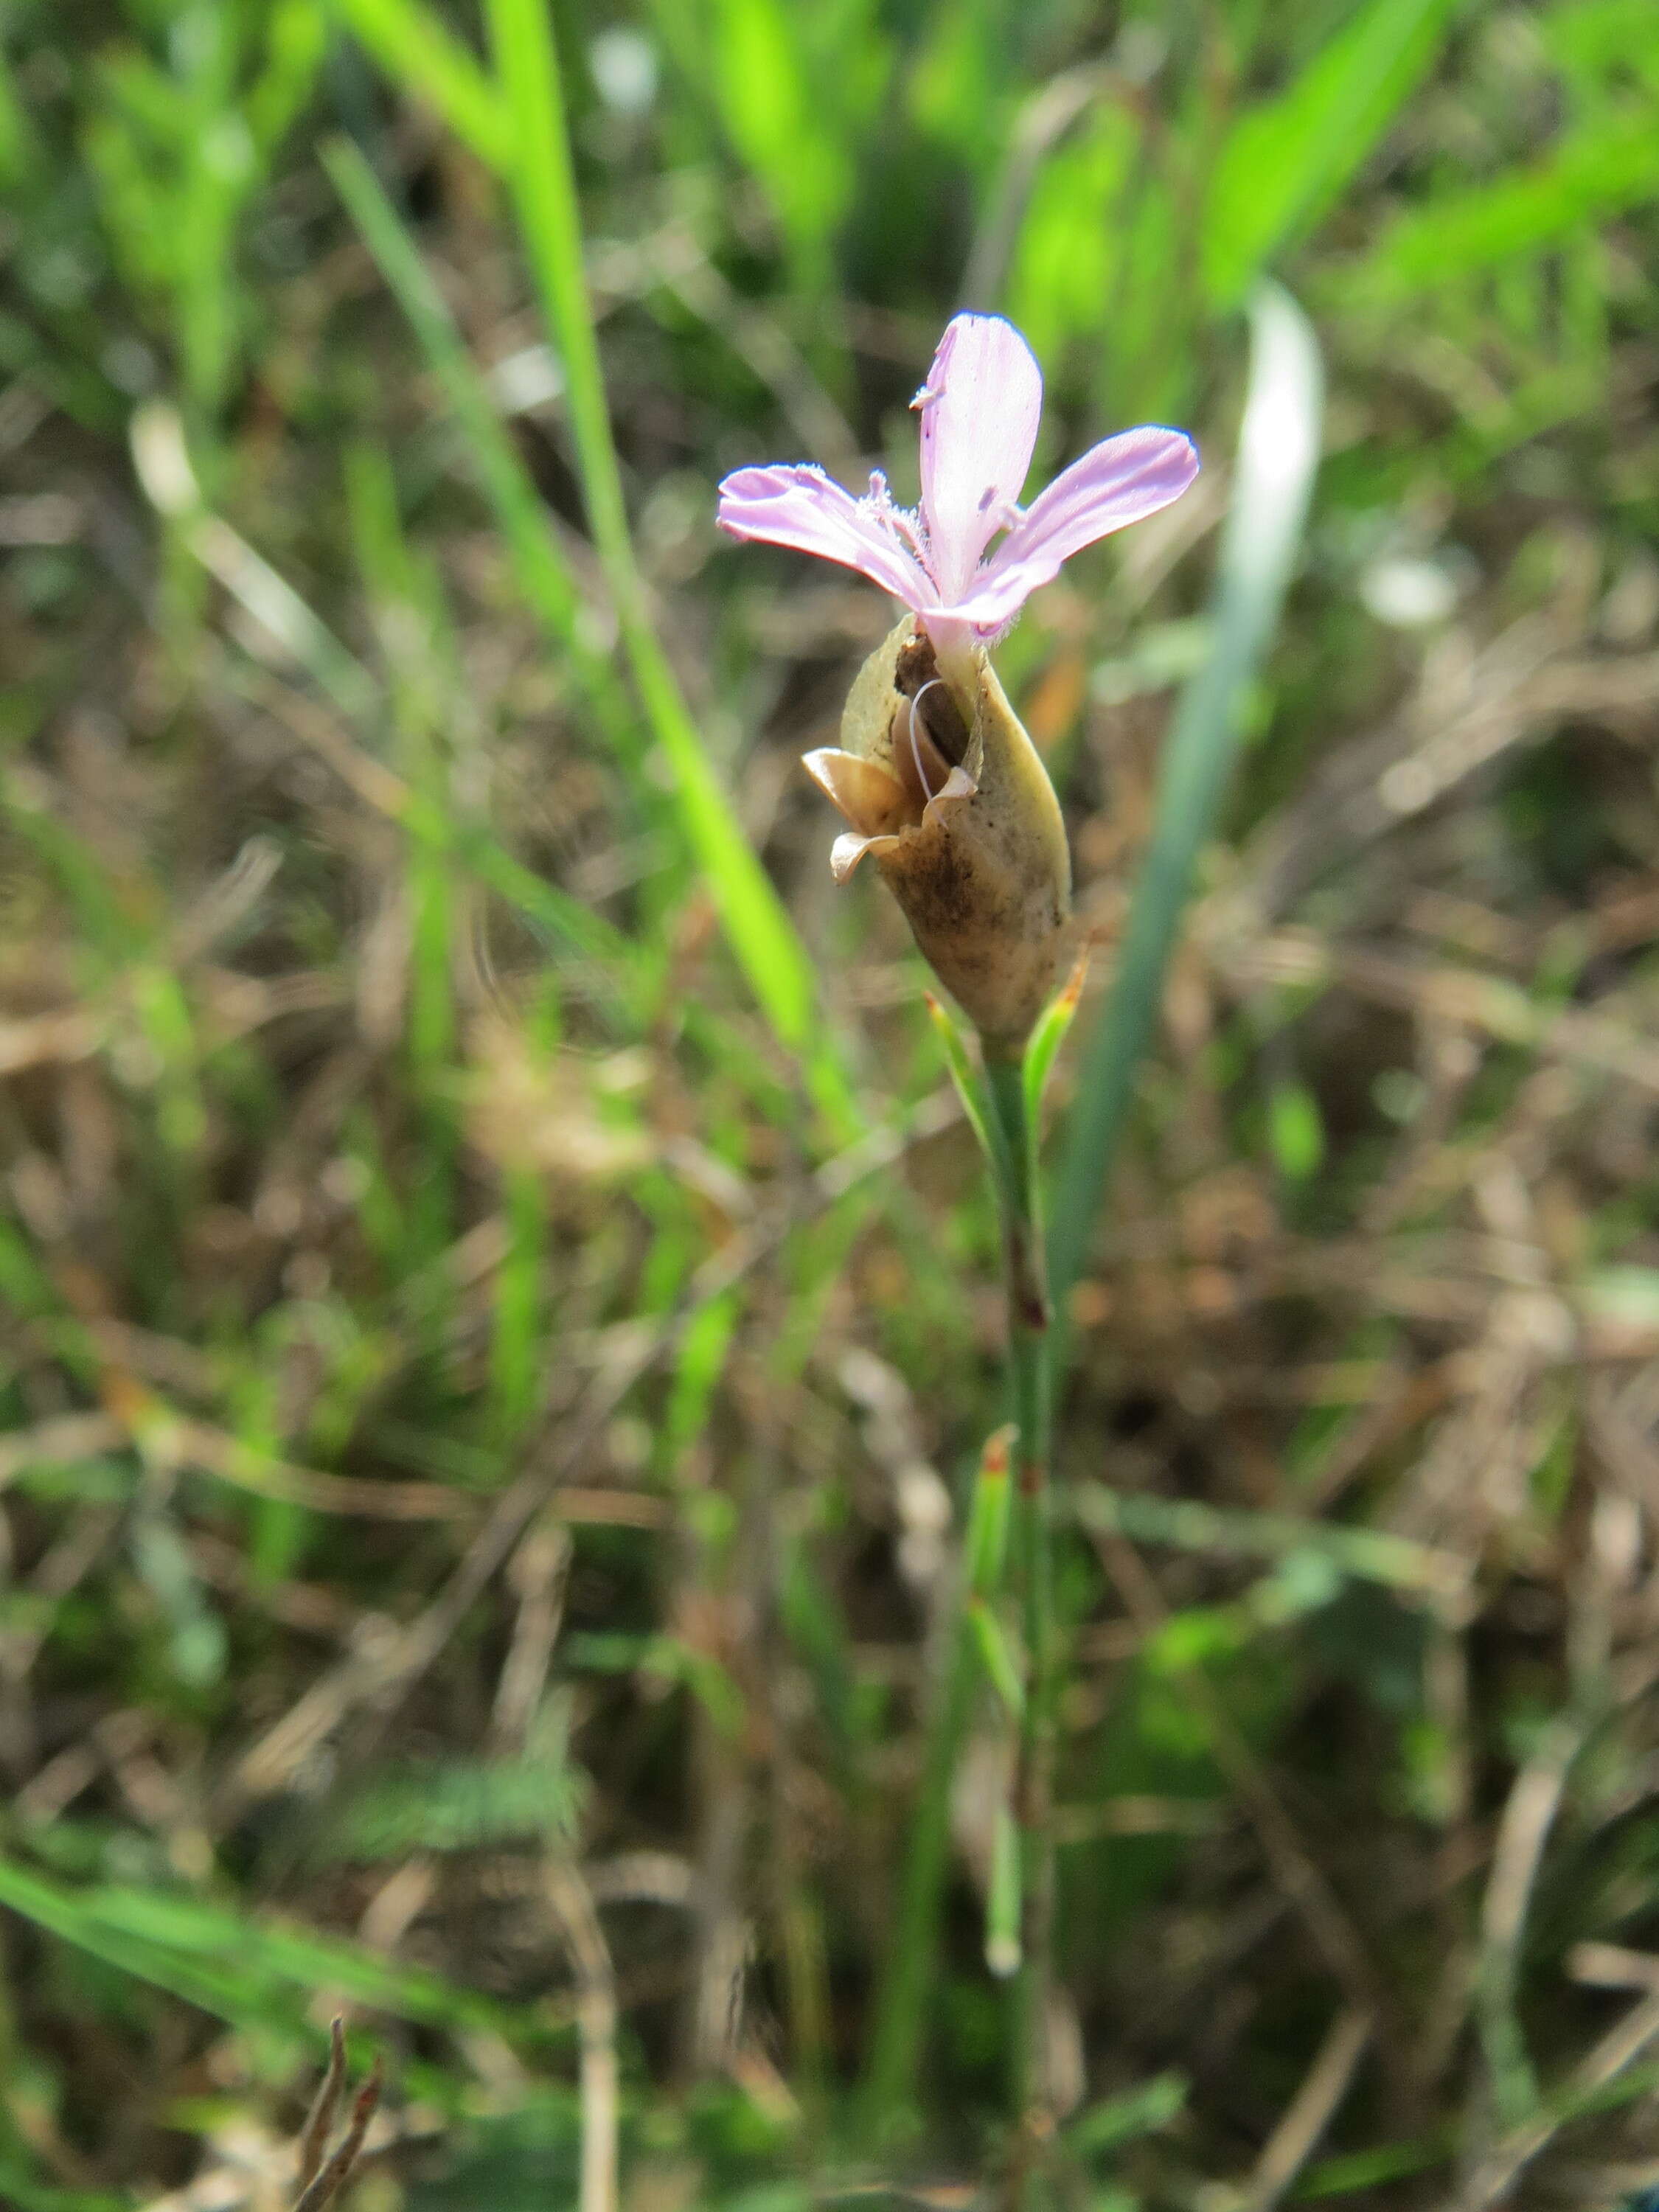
(944, 789)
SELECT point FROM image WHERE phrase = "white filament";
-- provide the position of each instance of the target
(915, 748)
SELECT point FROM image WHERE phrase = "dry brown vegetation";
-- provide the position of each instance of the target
(486, 1419)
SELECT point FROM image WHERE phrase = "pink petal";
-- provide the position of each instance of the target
(979, 422)
(1121, 481)
(802, 507)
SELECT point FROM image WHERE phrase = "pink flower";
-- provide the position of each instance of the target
(978, 422)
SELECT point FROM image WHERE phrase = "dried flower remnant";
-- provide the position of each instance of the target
(320, 2181)
(944, 790)
(935, 773)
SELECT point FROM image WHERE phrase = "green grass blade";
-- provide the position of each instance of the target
(228, 1964)
(1002, 1901)
(905, 1999)
(996, 1656)
(780, 121)
(1045, 1039)
(541, 177)
(1285, 160)
(976, 1105)
(1588, 176)
(523, 521)
(425, 58)
(756, 924)
(985, 1551)
(1279, 448)
(162, 461)
(1372, 1555)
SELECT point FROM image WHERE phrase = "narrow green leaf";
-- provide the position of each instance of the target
(975, 1104)
(1103, 2128)
(1002, 1900)
(1589, 175)
(1285, 160)
(1045, 1039)
(1278, 451)
(996, 1656)
(986, 1551)
(1367, 1554)
(228, 1964)
(426, 58)
(545, 582)
(779, 118)
(296, 40)
(757, 925)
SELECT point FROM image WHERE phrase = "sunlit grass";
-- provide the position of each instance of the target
(495, 1284)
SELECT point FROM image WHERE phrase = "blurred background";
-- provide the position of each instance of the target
(497, 1305)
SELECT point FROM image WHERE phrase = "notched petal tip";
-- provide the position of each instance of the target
(981, 402)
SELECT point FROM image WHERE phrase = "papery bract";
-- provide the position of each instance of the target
(946, 795)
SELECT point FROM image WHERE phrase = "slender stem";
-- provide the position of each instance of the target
(901, 2002)
(1029, 1365)
(902, 1999)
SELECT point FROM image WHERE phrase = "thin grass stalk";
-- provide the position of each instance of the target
(544, 184)
(901, 2002)
(1004, 1109)
(1030, 2102)
(1277, 453)
(902, 1999)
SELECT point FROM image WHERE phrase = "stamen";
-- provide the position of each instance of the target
(925, 397)
(899, 521)
(916, 749)
(907, 526)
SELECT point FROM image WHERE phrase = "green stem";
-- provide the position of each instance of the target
(901, 2002)
(1002, 1114)
(1033, 1522)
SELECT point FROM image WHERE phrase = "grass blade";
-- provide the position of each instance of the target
(757, 926)
(904, 2000)
(1046, 1038)
(414, 47)
(1278, 447)
(1287, 159)
(521, 132)
(505, 482)
(1002, 1933)
(1587, 176)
